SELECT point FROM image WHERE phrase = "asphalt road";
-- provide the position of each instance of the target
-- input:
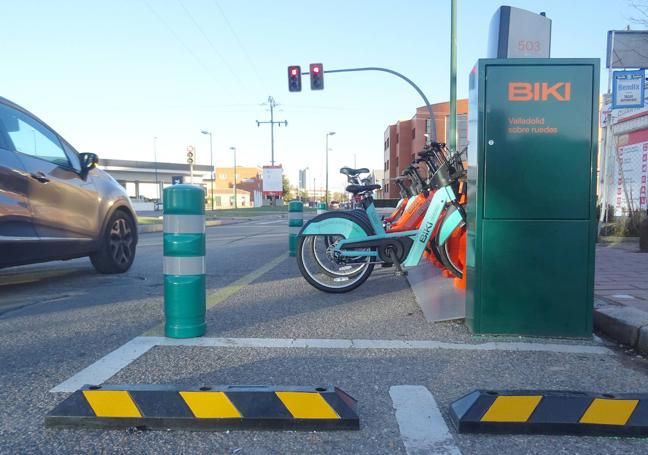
(57, 319)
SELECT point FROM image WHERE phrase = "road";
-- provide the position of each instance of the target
(58, 319)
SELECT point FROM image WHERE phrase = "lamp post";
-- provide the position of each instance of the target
(211, 166)
(157, 184)
(327, 166)
(235, 198)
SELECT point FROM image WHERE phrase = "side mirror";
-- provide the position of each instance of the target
(88, 161)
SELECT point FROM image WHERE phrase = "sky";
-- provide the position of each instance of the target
(111, 76)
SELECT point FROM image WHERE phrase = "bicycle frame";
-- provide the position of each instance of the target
(352, 232)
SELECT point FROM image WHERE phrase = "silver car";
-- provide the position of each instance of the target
(54, 201)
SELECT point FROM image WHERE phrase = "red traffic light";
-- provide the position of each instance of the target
(294, 79)
(317, 76)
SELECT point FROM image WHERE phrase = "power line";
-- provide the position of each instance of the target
(211, 44)
(239, 42)
(177, 38)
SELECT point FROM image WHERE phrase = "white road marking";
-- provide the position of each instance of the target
(107, 366)
(120, 358)
(421, 424)
(263, 223)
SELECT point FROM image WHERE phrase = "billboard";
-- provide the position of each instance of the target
(272, 181)
(628, 89)
(628, 49)
(632, 166)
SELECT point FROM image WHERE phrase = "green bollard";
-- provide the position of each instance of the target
(184, 261)
(321, 207)
(295, 222)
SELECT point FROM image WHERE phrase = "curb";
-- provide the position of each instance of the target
(626, 325)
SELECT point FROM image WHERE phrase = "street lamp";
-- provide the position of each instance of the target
(235, 198)
(211, 166)
(327, 166)
(157, 184)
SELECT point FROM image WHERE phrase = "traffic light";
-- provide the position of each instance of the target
(190, 154)
(294, 78)
(317, 76)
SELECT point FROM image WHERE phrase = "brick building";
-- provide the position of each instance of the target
(404, 139)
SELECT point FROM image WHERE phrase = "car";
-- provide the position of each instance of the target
(55, 203)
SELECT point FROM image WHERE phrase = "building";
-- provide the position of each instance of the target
(404, 139)
(304, 179)
(225, 175)
(248, 180)
(623, 160)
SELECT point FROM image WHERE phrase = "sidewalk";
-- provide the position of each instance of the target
(621, 293)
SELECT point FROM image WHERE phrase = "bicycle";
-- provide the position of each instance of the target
(363, 241)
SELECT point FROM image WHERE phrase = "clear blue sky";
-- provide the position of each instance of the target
(111, 75)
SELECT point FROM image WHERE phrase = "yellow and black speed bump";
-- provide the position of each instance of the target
(551, 412)
(207, 408)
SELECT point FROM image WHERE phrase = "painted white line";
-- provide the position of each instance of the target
(332, 343)
(112, 363)
(421, 424)
(108, 365)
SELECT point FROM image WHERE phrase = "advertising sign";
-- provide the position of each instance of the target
(628, 89)
(627, 49)
(632, 165)
(272, 181)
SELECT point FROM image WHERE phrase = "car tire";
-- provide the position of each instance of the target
(117, 245)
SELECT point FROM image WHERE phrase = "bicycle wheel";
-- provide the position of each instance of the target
(444, 254)
(320, 278)
(323, 250)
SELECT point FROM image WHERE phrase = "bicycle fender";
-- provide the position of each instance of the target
(452, 221)
(334, 226)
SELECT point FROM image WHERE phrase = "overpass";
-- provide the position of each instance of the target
(137, 172)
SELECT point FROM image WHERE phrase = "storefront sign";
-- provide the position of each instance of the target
(628, 89)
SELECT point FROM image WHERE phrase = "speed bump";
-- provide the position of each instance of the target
(551, 412)
(207, 408)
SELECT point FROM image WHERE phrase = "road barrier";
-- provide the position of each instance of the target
(184, 261)
(207, 408)
(551, 412)
(321, 207)
(295, 222)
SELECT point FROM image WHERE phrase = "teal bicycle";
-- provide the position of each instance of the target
(360, 240)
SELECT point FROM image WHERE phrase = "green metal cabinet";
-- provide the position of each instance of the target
(531, 196)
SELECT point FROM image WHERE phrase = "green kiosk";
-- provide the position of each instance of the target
(531, 196)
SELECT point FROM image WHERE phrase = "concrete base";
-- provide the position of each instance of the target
(435, 294)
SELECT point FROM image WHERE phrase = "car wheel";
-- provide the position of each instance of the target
(117, 245)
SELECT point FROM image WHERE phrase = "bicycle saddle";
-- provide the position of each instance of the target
(355, 189)
(349, 172)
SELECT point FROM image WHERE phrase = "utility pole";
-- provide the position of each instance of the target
(452, 127)
(272, 122)
(157, 183)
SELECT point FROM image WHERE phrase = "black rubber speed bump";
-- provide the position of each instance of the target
(207, 408)
(551, 412)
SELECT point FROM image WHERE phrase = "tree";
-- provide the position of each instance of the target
(285, 190)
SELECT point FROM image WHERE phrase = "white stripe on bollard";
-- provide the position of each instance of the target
(184, 224)
(184, 265)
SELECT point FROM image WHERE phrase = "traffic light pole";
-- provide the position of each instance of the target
(432, 134)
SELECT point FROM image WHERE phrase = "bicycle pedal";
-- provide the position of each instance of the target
(400, 272)
(386, 264)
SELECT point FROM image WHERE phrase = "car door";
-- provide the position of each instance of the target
(64, 204)
(18, 238)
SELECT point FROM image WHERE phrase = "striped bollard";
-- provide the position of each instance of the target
(321, 207)
(184, 261)
(295, 222)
